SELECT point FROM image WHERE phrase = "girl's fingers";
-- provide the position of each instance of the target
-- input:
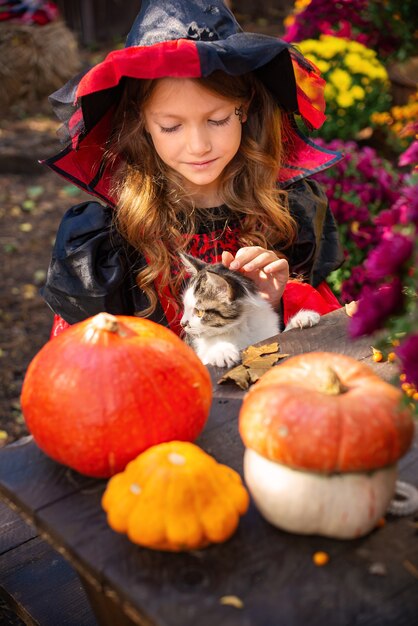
(269, 273)
(244, 256)
(227, 258)
(279, 266)
(252, 258)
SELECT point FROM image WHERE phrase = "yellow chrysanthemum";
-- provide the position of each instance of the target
(355, 63)
(323, 48)
(309, 46)
(382, 119)
(336, 43)
(397, 112)
(358, 92)
(353, 55)
(345, 100)
(300, 5)
(314, 59)
(355, 46)
(322, 65)
(329, 92)
(378, 72)
(289, 21)
(341, 79)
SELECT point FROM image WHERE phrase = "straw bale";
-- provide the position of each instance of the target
(34, 62)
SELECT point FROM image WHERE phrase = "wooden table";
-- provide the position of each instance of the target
(370, 581)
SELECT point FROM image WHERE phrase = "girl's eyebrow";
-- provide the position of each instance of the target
(155, 114)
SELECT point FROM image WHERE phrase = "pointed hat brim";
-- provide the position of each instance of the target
(186, 40)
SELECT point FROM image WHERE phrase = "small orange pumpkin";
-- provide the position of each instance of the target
(326, 412)
(175, 497)
(109, 387)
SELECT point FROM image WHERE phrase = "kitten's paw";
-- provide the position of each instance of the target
(303, 319)
(221, 354)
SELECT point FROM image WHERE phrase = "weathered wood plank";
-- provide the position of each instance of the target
(13, 530)
(37, 479)
(42, 588)
(31, 573)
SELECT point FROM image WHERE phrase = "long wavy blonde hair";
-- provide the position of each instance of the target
(154, 214)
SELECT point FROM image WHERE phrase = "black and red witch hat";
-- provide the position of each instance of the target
(187, 39)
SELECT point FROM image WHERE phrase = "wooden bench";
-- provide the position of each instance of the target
(372, 581)
(37, 584)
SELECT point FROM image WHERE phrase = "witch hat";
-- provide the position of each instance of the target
(186, 39)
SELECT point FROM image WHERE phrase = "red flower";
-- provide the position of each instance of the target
(375, 305)
(408, 354)
(392, 252)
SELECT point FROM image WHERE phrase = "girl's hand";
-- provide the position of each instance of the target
(269, 273)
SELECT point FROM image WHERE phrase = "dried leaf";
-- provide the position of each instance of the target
(28, 205)
(35, 191)
(364, 133)
(238, 375)
(9, 248)
(256, 360)
(378, 569)
(254, 352)
(232, 601)
(351, 308)
(29, 291)
(411, 568)
(3, 438)
(26, 227)
(70, 191)
(39, 276)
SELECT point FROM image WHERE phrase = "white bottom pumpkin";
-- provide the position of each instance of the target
(342, 506)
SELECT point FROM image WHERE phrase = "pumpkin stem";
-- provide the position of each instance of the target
(332, 384)
(109, 324)
(106, 321)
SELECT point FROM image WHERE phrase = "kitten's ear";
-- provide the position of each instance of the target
(192, 265)
(221, 284)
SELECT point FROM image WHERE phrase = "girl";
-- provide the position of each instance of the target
(188, 136)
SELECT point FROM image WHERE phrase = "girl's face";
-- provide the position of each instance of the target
(195, 132)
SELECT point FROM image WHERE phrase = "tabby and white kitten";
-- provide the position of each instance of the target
(224, 313)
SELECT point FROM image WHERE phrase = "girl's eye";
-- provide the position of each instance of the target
(172, 129)
(198, 312)
(226, 120)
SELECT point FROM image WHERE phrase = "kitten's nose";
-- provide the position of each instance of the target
(184, 323)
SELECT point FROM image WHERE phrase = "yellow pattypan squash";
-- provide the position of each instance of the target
(175, 497)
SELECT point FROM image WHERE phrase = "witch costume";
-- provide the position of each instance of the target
(93, 268)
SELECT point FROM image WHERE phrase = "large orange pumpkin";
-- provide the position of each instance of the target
(110, 387)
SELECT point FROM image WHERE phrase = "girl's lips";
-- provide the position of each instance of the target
(201, 163)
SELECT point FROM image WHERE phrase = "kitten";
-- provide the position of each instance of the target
(224, 313)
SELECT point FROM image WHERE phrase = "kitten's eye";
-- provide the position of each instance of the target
(198, 312)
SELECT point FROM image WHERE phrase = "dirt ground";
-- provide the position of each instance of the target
(32, 202)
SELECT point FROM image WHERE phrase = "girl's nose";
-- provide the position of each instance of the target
(198, 141)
